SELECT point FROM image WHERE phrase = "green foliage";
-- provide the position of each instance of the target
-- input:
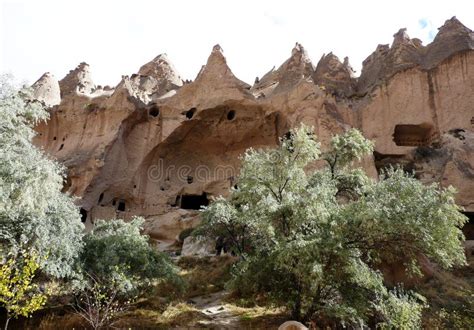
(185, 233)
(401, 311)
(18, 294)
(313, 240)
(33, 211)
(117, 255)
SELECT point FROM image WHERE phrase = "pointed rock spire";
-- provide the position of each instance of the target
(404, 53)
(46, 89)
(217, 71)
(162, 70)
(154, 79)
(452, 27)
(452, 37)
(400, 38)
(78, 80)
(334, 75)
(298, 67)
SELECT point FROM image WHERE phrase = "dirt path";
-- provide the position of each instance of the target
(212, 306)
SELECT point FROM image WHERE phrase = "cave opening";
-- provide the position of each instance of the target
(190, 113)
(121, 206)
(468, 228)
(83, 215)
(231, 115)
(154, 111)
(61, 147)
(101, 197)
(194, 202)
(383, 162)
(413, 135)
(189, 179)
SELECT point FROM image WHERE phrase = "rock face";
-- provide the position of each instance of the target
(198, 246)
(46, 89)
(160, 148)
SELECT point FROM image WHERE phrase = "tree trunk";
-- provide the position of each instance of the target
(296, 312)
(6, 323)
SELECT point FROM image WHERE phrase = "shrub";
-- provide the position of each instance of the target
(313, 240)
(34, 214)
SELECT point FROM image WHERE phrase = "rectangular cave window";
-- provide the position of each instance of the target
(413, 135)
(121, 206)
(194, 202)
(468, 228)
(83, 215)
(383, 162)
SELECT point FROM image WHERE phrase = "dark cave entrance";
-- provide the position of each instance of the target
(193, 202)
(384, 161)
(83, 215)
(190, 113)
(101, 197)
(231, 115)
(468, 228)
(121, 206)
(154, 111)
(413, 135)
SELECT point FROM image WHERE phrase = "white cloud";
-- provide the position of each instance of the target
(117, 37)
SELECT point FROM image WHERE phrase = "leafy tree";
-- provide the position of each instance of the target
(314, 240)
(118, 256)
(33, 211)
(18, 294)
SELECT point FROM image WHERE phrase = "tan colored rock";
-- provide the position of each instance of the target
(77, 81)
(159, 148)
(46, 89)
(335, 76)
(198, 246)
(297, 68)
(292, 325)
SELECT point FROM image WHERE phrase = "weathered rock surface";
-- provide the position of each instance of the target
(46, 89)
(198, 246)
(292, 325)
(335, 76)
(405, 53)
(160, 148)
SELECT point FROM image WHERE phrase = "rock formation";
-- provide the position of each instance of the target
(46, 89)
(158, 147)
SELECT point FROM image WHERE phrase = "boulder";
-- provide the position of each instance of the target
(198, 246)
(292, 325)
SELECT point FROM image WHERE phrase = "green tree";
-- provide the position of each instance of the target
(118, 256)
(33, 211)
(313, 239)
(18, 294)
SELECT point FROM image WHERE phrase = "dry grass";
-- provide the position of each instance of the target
(68, 321)
(259, 317)
(174, 315)
(451, 298)
(205, 275)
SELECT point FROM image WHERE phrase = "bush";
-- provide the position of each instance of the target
(312, 241)
(34, 214)
(117, 255)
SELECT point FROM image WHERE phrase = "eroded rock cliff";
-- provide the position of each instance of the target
(159, 147)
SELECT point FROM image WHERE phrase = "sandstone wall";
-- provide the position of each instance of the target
(159, 147)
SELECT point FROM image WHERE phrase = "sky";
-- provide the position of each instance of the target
(116, 37)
